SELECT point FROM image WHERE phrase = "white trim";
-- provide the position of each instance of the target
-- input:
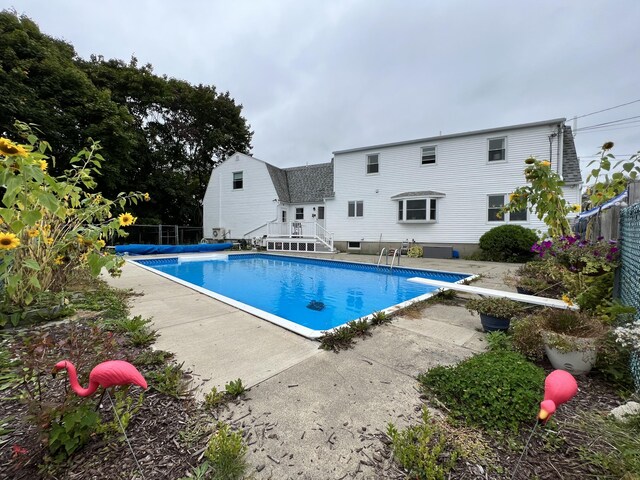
(233, 180)
(359, 247)
(427, 201)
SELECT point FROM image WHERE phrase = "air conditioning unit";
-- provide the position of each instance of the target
(218, 233)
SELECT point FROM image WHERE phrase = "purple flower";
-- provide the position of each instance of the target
(600, 238)
(596, 253)
(613, 250)
(613, 242)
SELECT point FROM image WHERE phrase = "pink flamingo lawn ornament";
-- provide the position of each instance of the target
(559, 387)
(106, 374)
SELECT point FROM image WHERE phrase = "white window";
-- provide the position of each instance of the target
(353, 245)
(497, 149)
(237, 180)
(429, 155)
(417, 210)
(355, 209)
(299, 213)
(495, 204)
(372, 163)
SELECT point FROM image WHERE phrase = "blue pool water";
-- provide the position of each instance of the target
(287, 287)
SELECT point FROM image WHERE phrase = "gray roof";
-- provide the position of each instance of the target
(570, 162)
(311, 183)
(454, 135)
(424, 193)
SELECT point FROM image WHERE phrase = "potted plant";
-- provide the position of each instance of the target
(495, 312)
(536, 278)
(569, 338)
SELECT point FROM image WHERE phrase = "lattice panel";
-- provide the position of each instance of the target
(630, 271)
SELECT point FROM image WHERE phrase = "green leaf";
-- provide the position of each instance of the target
(47, 200)
(6, 214)
(627, 166)
(17, 226)
(32, 264)
(595, 172)
(31, 217)
(33, 280)
(13, 185)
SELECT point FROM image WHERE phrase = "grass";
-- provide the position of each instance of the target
(170, 380)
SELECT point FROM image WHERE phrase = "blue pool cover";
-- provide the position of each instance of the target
(139, 249)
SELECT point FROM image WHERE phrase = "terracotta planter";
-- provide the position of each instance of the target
(494, 324)
(576, 362)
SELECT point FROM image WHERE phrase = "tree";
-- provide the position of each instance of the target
(159, 134)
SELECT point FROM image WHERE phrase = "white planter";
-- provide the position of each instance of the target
(576, 363)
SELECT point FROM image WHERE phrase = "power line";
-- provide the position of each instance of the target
(608, 123)
(608, 128)
(607, 109)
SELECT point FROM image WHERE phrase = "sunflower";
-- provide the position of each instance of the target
(126, 219)
(575, 208)
(512, 196)
(33, 232)
(607, 146)
(8, 148)
(8, 241)
(100, 243)
(48, 240)
(146, 197)
(43, 165)
(59, 260)
(545, 163)
(567, 300)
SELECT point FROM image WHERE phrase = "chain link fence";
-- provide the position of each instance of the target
(161, 235)
(629, 285)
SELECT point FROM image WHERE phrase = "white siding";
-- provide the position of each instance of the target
(239, 211)
(462, 172)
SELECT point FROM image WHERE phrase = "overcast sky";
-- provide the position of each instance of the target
(318, 76)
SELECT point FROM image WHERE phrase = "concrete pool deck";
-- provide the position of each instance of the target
(310, 413)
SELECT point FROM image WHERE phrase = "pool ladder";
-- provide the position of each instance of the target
(386, 253)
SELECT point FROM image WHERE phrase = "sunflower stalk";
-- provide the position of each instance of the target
(53, 226)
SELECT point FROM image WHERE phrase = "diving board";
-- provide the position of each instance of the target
(518, 297)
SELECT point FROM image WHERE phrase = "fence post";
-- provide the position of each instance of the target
(159, 234)
(175, 229)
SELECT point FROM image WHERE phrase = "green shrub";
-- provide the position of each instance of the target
(127, 325)
(498, 341)
(423, 450)
(143, 337)
(493, 390)
(508, 243)
(125, 409)
(226, 454)
(415, 252)
(150, 358)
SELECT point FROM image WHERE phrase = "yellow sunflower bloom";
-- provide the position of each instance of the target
(512, 196)
(8, 241)
(126, 219)
(48, 240)
(33, 232)
(545, 163)
(59, 260)
(146, 197)
(8, 148)
(43, 165)
(100, 243)
(575, 208)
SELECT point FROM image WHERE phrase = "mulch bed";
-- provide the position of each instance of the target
(154, 431)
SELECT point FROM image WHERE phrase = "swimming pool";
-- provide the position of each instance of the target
(306, 295)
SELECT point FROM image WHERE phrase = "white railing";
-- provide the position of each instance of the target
(300, 229)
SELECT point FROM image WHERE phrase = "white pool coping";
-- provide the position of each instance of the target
(269, 317)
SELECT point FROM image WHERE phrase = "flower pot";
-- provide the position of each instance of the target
(578, 361)
(494, 324)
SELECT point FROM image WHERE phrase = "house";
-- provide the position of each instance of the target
(442, 191)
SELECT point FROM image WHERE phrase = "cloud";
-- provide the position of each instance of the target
(314, 77)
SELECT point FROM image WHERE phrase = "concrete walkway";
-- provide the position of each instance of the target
(311, 413)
